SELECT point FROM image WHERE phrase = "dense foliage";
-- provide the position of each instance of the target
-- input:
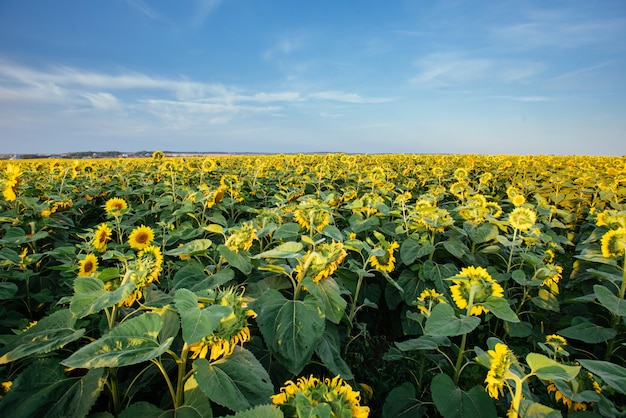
(313, 285)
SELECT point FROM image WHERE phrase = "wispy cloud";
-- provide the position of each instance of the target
(342, 96)
(203, 9)
(144, 8)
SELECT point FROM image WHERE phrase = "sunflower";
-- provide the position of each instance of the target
(556, 343)
(312, 214)
(613, 243)
(429, 216)
(9, 190)
(88, 265)
(502, 358)
(232, 330)
(518, 200)
(342, 399)
(141, 237)
(115, 206)
(474, 284)
(522, 218)
(551, 275)
(241, 237)
(321, 263)
(102, 235)
(427, 300)
(152, 256)
(568, 392)
(385, 262)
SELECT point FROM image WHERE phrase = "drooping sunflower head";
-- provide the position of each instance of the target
(383, 256)
(551, 275)
(475, 209)
(343, 400)
(152, 258)
(427, 300)
(101, 237)
(522, 218)
(312, 214)
(141, 237)
(429, 216)
(612, 219)
(322, 262)
(242, 237)
(613, 243)
(115, 206)
(88, 265)
(502, 358)
(232, 330)
(474, 285)
(570, 393)
(554, 345)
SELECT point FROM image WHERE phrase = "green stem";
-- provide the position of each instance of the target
(622, 290)
(355, 299)
(115, 396)
(180, 384)
(459, 360)
(157, 362)
(508, 265)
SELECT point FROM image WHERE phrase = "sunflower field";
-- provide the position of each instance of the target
(313, 286)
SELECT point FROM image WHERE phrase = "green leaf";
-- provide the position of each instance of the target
(332, 232)
(195, 398)
(327, 292)
(452, 402)
(290, 230)
(482, 233)
(613, 374)
(265, 411)
(584, 330)
(131, 342)
(239, 260)
(198, 323)
(408, 251)
(455, 247)
(442, 322)
(91, 297)
(141, 409)
(329, 351)
(193, 277)
(43, 390)
(289, 249)
(291, 329)
(237, 382)
(530, 409)
(50, 333)
(402, 403)
(500, 308)
(17, 236)
(423, 342)
(614, 304)
(546, 300)
(195, 247)
(7, 290)
(520, 329)
(547, 369)
(306, 409)
(360, 224)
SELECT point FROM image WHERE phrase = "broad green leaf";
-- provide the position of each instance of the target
(546, 300)
(131, 342)
(423, 342)
(327, 292)
(193, 277)
(264, 411)
(290, 230)
(195, 247)
(237, 382)
(7, 290)
(500, 308)
(17, 236)
(198, 323)
(360, 224)
(329, 351)
(402, 403)
(289, 249)
(43, 390)
(547, 369)
(412, 285)
(292, 329)
(455, 247)
(10, 255)
(584, 330)
(452, 402)
(613, 374)
(483, 232)
(519, 329)
(442, 322)
(614, 304)
(332, 232)
(141, 409)
(584, 396)
(239, 260)
(530, 409)
(408, 251)
(183, 411)
(91, 297)
(195, 398)
(49, 334)
(305, 408)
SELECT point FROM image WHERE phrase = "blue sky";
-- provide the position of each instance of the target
(486, 77)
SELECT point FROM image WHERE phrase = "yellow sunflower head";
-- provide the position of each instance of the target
(115, 206)
(502, 358)
(343, 400)
(141, 237)
(613, 243)
(522, 218)
(88, 265)
(102, 236)
(242, 237)
(322, 262)
(566, 392)
(473, 286)
(518, 200)
(312, 214)
(427, 300)
(383, 258)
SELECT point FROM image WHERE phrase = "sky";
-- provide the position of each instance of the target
(527, 77)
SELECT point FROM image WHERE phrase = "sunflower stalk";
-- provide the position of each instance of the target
(458, 367)
(508, 265)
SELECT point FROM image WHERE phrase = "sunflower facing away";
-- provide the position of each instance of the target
(102, 236)
(321, 263)
(232, 330)
(522, 218)
(474, 283)
(502, 358)
(385, 262)
(613, 243)
(115, 206)
(141, 237)
(88, 265)
(427, 300)
(340, 398)
(569, 393)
